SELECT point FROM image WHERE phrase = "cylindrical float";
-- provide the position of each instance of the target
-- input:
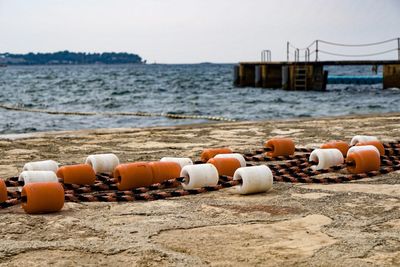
(82, 174)
(376, 144)
(225, 166)
(133, 175)
(362, 139)
(326, 158)
(103, 163)
(212, 152)
(164, 171)
(181, 161)
(280, 147)
(3, 191)
(42, 197)
(235, 156)
(342, 146)
(45, 165)
(362, 161)
(37, 177)
(200, 175)
(359, 148)
(255, 179)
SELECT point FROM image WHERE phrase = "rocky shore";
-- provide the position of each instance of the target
(350, 224)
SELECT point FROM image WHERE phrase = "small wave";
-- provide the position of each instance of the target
(29, 129)
(254, 101)
(94, 80)
(124, 92)
(112, 105)
(278, 100)
(46, 77)
(304, 115)
(374, 106)
(28, 105)
(393, 89)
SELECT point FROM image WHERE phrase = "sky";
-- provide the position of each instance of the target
(194, 31)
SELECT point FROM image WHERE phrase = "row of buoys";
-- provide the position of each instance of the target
(361, 156)
(42, 192)
(361, 160)
(41, 179)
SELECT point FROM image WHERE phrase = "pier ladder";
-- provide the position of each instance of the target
(300, 77)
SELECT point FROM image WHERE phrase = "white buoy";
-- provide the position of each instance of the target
(181, 161)
(45, 165)
(197, 176)
(103, 163)
(37, 177)
(237, 156)
(361, 139)
(326, 158)
(360, 148)
(255, 179)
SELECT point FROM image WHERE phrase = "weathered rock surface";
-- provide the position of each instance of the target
(352, 224)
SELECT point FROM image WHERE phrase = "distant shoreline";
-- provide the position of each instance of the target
(116, 64)
(77, 64)
(69, 58)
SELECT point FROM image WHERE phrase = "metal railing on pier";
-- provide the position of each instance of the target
(319, 47)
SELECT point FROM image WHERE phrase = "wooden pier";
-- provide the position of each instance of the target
(305, 75)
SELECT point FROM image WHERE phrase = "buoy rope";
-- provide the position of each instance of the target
(105, 186)
(338, 179)
(305, 169)
(9, 203)
(267, 149)
(106, 193)
(123, 196)
(296, 169)
(122, 113)
(259, 154)
(263, 157)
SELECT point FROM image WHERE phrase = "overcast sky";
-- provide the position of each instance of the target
(190, 31)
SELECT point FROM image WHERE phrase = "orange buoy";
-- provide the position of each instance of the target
(3, 191)
(225, 166)
(212, 152)
(164, 170)
(374, 143)
(363, 161)
(42, 197)
(82, 174)
(341, 145)
(280, 147)
(133, 175)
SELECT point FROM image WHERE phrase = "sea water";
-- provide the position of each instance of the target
(202, 89)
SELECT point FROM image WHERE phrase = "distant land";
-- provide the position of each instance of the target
(69, 58)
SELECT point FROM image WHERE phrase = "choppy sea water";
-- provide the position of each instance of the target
(204, 89)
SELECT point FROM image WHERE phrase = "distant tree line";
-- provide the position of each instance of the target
(66, 57)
